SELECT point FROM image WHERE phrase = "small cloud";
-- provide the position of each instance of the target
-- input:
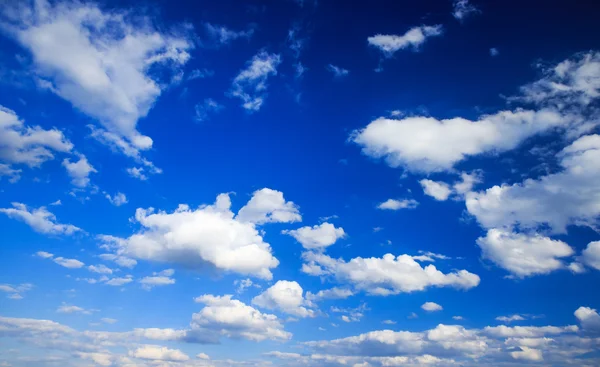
(412, 316)
(108, 320)
(431, 307)
(207, 107)
(457, 318)
(337, 71)
(56, 203)
(117, 200)
(463, 9)
(494, 51)
(200, 74)
(393, 204)
(388, 322)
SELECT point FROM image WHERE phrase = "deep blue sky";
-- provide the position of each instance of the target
(331, 149)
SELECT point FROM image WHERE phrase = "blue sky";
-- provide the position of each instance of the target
(299, 183)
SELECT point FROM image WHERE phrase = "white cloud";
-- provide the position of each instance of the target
(413, 38)
(99, 61)
(209, 235)
(332, 293)
(223, 35)
(318, 236)
(527, 354)
(589, 319)
(158, 353)
(158, 279)
(510, 318)
(243, 284)
(56, 203)
(458, 318)
(337, 71)
(387, 275)
(28, 145)
(203, 356)
(223, 316)
(65, 308)
(123, 261)
(269, 206)
(100, 269)
(108, 320)
(79, 171)
(137, 172)
(431, 307)
(557, 200)
(430, 256)
(591, 255)
(438, 190)
(503, 331)
(40, 219)
(393, 204)
(68, 263)
(250, 85)
(523, 254)
(463, 9)
(426, 144)
(15, 292)
(388, 322)
(285, 296)
(207, 107)
(44, 254)
(117, 282)
(117, 199)
(200, 74)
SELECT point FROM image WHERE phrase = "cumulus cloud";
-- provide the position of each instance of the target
(158, 353)
(79, 171)
(413, 38)
(463, 9)
(557, 200)
(387, 275)
(269, 206)
(523, 254)
(209, 236)
(338, 72)
(589, 319)
(160, 278)
(110, 78)
(117, 199)
(591, 255)
(27, 145)
(431, 307)
(393, 204)
(224, 316)
(250, 85)
(438, 190)
(40, 219)
(285, 296)
(318, 236)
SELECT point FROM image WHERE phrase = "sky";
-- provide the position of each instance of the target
(299, 183)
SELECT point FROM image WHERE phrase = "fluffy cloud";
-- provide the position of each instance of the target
(589, 319)
(523, 254)
(393, 204)
(67, 263)
(426, 144)
(223, 316)
(250, 84)
(463, 9)
(318, 236)
(556, 200)
(110, 78)
(591, 255)
(285, 296)
(117, 199)
(387, 275)
(209, 236)
(431, 307)
(413, 38)
(158, 353)
(338, 72)
(269, 206)
(158, 279)
(437, 190)
(79, 171)
(40, 219)
(31, 146)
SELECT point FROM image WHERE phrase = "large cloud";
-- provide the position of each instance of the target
(386, 275)
(102, 62)
(209, 236)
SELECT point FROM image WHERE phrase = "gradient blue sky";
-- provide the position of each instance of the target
(299, 183)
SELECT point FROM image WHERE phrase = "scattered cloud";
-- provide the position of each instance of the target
(318, 236)
(269, 206)
(413, 38)
(65, 308)
(117, 199)
(158, 353)
(463, 9)
(160, 278)
(250, 85)
(393, 204)
(494, 51)
(431, 307)
(591, 255)
(510, 318)
(222, 35)
(286, 297)
(337, 71)
(40, 219)
(79, 171)
(15, 292)
(206, 108)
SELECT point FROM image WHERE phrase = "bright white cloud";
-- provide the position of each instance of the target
(591, 255)
(224, 316)
(523, 254)
(463, 9)
(426, 144)
(527, 354)
(100, 61)
(431, 307)
(338, 72)
(207, 236)
(117, 199)
(250, 85)
(158, 353)
(413, 38)
(438, 190)
(137, 172)
(589, 319)
(79, 171)
(285, 296)
(40, 219)
(118, 281)
(557, 200)
(269, 206)
(318, 236)
(387, 275)
(158, 279)
(393, 204)
(27, 145)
